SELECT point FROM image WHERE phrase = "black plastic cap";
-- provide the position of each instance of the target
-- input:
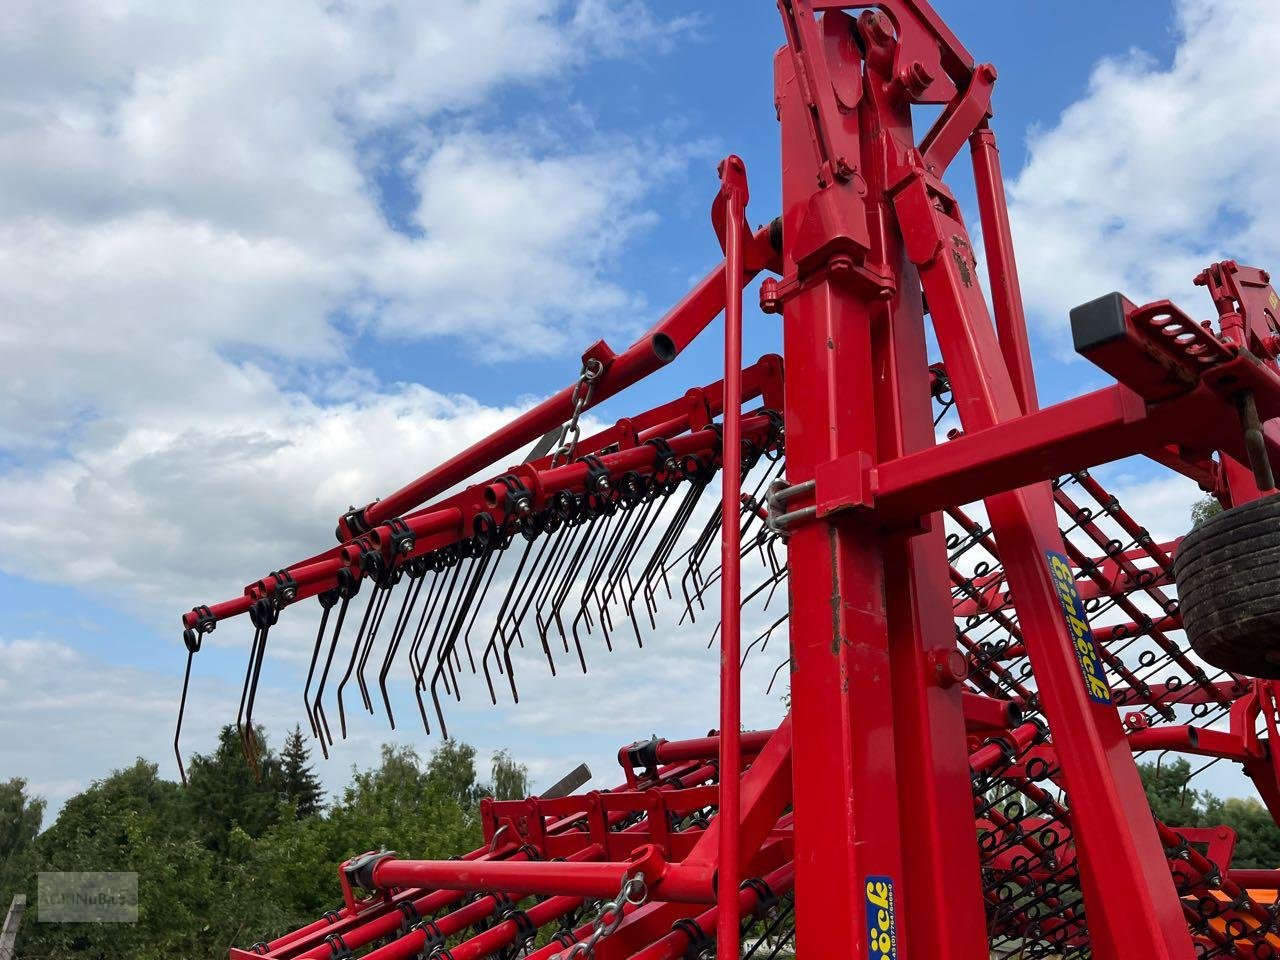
(1097, 322)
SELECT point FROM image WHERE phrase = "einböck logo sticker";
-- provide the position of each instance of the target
(1086, 648)
(882, 928)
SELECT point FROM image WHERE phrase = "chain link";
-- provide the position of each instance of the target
(608, 918)
(571, 433)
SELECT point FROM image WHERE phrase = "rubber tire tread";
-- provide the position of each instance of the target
(1227, 572)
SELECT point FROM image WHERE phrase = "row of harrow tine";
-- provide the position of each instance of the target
(577, 567)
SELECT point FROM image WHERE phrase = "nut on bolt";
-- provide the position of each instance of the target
(770, 297)
(916, 78)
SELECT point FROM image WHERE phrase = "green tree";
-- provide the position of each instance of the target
(1203, 509)
(298, 780)
(20, 819)
(453, 768)
(224, 793)
(1171, 800)
(290, 875)
(132, 821)
(510, 779)
(230, 860)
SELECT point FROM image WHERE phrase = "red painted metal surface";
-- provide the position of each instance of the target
(980, 638)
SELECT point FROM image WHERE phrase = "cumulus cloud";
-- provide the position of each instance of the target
(193, 238)
(1157, 171)
(182, 188)
(179, 507)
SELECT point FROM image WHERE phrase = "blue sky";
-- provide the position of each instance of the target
(248, 283)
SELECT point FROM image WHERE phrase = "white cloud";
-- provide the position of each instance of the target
(172, 510)
(1157, 171)
(191, 240)
(181, 186)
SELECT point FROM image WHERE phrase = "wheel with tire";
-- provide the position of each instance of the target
(1228, 574)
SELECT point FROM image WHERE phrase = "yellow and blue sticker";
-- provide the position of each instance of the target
(882, 927)
(1086, 647)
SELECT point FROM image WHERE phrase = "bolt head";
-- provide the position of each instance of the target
(406, 545)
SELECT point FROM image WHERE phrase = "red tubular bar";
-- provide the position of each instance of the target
(675, 943)
(662, 344)
(594, 880)
(733, 201)
(1255, 879)
(450, 521)
(1002, 266)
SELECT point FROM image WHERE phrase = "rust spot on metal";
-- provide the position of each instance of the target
(962, 253)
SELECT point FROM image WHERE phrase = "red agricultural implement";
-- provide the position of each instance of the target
(980, 637)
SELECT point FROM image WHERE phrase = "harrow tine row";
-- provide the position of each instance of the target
(571, 578)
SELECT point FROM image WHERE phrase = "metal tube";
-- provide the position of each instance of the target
(656, 348)
(1002, 266)
(733, 191)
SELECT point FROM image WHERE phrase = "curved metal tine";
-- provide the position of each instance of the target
(570, 538)
(474, 573)
(443, 598)
(606, 586)
(778, 577)
(666, 544)
(244, 698)
(755, 591)
(620, 550)
(440, 606)
(604, 556)
(435, 699)
(448, 650)
(437, 577)
(696, 554)
(375, 598)
(397, 634)
(508, 628)
(253, 694)
(394, 581)
(551, 545)
(492, 645)
(770, 546)
(311, 668)
(600, 545)
(647, 515)
(474, 577)
(451, 619)
(763, 639)
(182, 709)
(569, 576)
(500, 550)
(774, 678)
(472, 601)
(325, 735)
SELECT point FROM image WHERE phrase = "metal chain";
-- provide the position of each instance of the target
(571, 433)
(608, 918)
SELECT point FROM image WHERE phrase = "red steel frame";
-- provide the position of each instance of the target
(863, 800)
